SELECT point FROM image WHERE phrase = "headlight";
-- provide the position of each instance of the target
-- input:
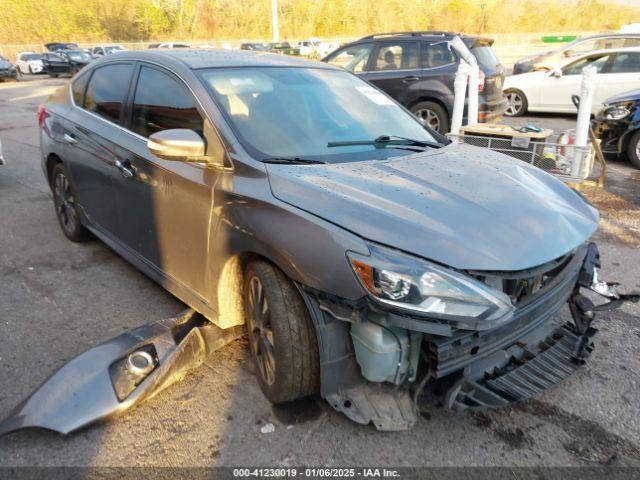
(617, 111)
(415, 285)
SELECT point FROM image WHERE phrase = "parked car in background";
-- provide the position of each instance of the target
(100, 50)
(259, 47)
(7, 70)
(55, 64)
(314, 47)
(556, 58)
(173, 45)
(29, 62)
(55, 46)
(283, 48)
(76, 59)
(420, 269)
(551, 91)
(418, 70)
(617, 125)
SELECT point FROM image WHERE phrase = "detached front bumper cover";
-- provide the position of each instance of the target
(120, 373)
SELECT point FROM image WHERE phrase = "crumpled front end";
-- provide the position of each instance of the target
(376, 361)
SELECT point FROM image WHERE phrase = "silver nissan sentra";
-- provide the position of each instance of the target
(370, 258)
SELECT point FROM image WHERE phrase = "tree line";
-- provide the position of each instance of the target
(37, 21)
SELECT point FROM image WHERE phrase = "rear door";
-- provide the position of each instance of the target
(93, 135)
(395, 68)
(165, 208)
(622, 74)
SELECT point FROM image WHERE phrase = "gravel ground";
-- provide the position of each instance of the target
(58, 298)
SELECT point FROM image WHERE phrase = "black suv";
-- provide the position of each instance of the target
(418, 70)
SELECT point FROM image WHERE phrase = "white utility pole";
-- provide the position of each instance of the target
(274, 20)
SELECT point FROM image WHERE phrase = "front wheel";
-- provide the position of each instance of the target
(281, 335)
(432, 114)
(633, 150)
(516, 103)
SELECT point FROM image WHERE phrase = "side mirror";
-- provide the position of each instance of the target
(556, 73)
(178, 144)
(567, 53)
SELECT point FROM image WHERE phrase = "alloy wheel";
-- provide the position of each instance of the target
(428, 117)
(65, 203)
(514, 104)
(261, 331)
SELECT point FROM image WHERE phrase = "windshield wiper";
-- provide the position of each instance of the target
(292, 161)
(392, 140)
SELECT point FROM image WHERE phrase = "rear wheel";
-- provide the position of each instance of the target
(281, 335)
(433, 115)
(516, 103)
(633, 150)
(64, 200)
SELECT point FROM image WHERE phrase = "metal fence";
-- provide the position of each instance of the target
(568, 162)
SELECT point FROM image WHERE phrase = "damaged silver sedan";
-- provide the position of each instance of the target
(370, 259)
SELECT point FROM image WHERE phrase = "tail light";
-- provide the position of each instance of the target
(42, 116)
(480, 80)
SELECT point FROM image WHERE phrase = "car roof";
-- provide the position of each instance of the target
(428, 34)
(609, 51)
(607, 35)
(217, 58)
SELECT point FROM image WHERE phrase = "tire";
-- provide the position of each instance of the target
(517, 104)
(64, 201)
(282, 336)
(633, 150)
(432, 114)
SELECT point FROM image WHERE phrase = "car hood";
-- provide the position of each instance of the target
(632, 95)
(463, 206)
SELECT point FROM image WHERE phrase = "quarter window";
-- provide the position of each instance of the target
(352, 58)
(436, 55)
(78, 87)
(162, 103)
(399, 56)
(107, 90)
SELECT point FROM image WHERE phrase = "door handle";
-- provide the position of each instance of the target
(410, 78)
(125, 168)
(70, 139)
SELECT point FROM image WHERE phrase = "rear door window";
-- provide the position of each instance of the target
(353, 58)
(78, 87)
(628, 62)
(161, 102)
(107, 90)
(397, 56)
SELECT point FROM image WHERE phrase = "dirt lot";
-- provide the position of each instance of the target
(59, 298)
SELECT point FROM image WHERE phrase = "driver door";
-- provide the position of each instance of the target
(164, 207)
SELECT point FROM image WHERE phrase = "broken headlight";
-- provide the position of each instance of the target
(617, 111)
(413, 284)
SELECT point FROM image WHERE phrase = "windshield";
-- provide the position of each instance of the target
(32, 56)
(296, 112)
(112, 49)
